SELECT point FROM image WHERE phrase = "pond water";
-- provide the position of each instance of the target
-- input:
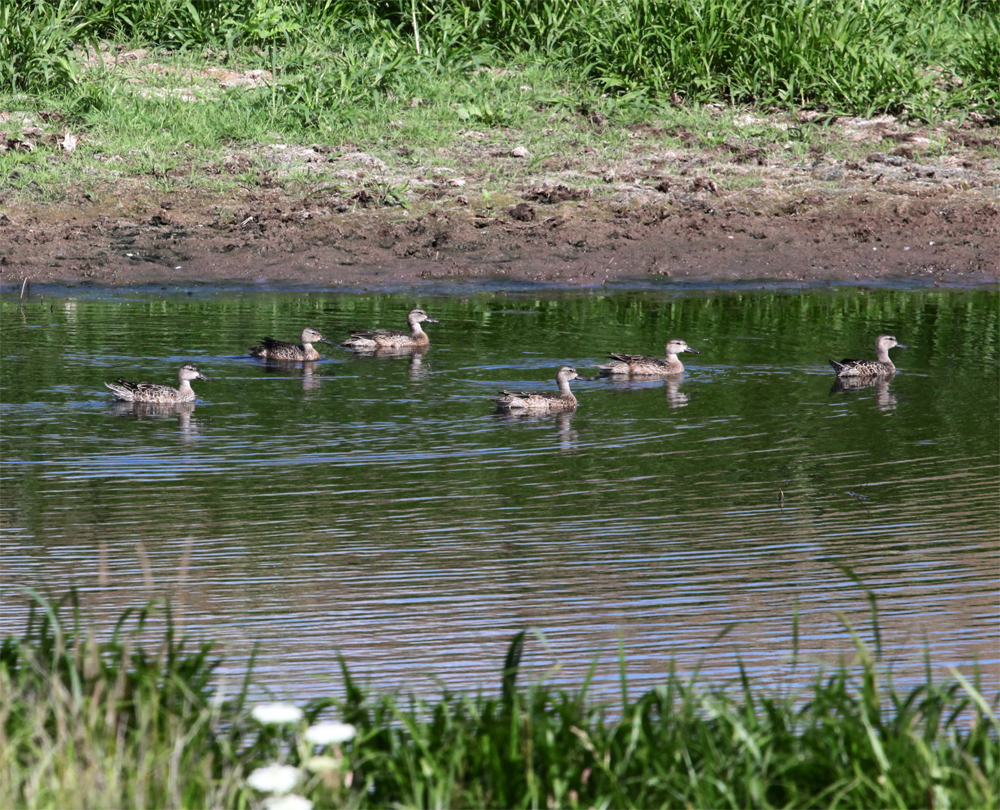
(374, 507)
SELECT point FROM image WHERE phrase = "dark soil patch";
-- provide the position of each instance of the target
(710, 239)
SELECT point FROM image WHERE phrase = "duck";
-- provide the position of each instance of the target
(540, 401)
(640, 365)
(126, 391)
(882, 367)
(372, 339)
(271, 349)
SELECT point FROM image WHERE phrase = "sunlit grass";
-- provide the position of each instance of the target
(111, 724)
(561, 78)
(344, 60)
(88, 724)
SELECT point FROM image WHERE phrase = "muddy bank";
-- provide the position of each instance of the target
(716, 240)
(694, 218)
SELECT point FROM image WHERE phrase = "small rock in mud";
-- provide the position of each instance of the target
(828, 174)
(556, 194)
(705, 184)
(888, 160)
(367, 160)
(522, 212)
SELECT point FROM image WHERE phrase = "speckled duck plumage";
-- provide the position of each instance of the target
(640, 365)
(882, 367)
(373, 339)
(271, 349)
(540, 401)
(126, 391)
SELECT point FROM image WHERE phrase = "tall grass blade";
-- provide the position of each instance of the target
(511, 667)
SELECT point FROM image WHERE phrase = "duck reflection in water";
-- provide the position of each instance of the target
(306, 369)
(568, 438)
(415, 354)
(159, 410)
(675, 397)
(884, 397)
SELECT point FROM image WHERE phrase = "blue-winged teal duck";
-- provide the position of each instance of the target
(272, 349)
(150, 392)
(640, 365)
(540, 401)
(391, 338)
(870, 368)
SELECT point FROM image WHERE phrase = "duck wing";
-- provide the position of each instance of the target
(271, 343)
(371, 334)
(518, 394)
(847, 362)
(145, 389)
(135, 386)
(268, 345)
(636, 358)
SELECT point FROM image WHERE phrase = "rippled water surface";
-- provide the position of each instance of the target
(373, 506)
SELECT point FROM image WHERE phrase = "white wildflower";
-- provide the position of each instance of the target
(274, 778)
(290, 801)
(320, 764)
(278, 714)
(331, 733)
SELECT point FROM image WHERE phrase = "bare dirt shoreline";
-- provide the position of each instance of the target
(886, 218)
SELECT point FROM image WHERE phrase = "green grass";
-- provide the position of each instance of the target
(348, 58)
(88, 724)
(110, 724)
(452, 85)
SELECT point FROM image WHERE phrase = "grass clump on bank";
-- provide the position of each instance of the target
(198, 99)
(112, 724)
(917, 57)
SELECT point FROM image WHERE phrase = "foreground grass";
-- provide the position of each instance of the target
(111, 725)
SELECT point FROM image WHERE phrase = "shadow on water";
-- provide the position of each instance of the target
(373, 506)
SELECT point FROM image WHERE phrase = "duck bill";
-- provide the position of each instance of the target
(206, 379)
(693, 351)
(902, 346)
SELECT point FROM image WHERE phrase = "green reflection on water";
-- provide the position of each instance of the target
(761, 377)
(386, 483)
